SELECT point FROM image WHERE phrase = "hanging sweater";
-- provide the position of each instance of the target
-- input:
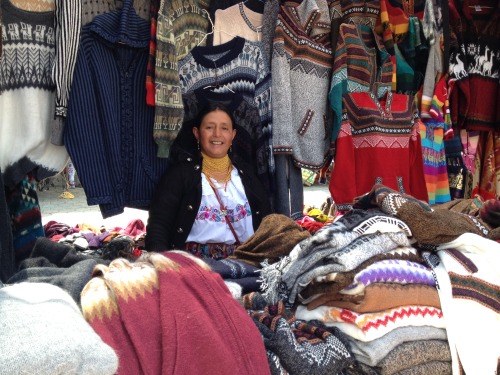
(237, 20)
(378, 143)
(301, 69)
(109, 126)
(27, 95)
(475, 67)
(180, 27)
(361, 63)
(237, 66)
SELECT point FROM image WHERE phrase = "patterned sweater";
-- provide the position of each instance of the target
(301, 69)
(475, 68)
(27, 95)
(180, 27)
(238, 66)
(361, 64)
(378, 143)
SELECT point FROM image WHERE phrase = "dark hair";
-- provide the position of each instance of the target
(211, 107)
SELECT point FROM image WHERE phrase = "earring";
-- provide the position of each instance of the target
(198, 142)
(231, 148)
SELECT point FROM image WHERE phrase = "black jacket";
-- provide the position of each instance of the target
(177, 198)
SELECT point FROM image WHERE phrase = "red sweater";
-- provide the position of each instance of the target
(378, 143)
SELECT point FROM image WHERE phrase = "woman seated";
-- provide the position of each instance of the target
(209, 201)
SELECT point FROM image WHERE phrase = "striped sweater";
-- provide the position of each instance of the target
(361, 64)
(108, 112)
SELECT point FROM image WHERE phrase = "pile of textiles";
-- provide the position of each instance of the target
(372, 274)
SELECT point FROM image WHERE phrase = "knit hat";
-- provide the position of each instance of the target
(43, 332)
(276, 236)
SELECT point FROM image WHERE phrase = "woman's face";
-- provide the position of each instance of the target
(215, 134)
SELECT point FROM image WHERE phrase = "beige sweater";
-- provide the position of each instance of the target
(237, 20)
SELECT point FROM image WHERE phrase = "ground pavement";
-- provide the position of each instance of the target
(72, 209)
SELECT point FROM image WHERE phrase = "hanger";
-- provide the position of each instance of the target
(211, 32)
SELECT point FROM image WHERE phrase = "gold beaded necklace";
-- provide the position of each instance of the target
(217, 167)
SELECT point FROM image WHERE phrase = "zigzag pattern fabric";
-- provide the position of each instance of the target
(373, 325)
(301, 68)
(390, 271)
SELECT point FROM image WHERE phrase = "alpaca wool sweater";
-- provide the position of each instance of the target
(374, 351)
(193, 324)
(27, 95)
(237, 20)
(301, 68)
(373, 325)
(108, 113)
(361, 63)
(181, 25)
(467, 276)
(475, 66)
(378, 143)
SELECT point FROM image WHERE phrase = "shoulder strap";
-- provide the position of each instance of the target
(223, 208)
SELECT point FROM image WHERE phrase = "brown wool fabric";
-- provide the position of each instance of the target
(341, 280)
(276, 236)
(434, 368)
(413, 353)
(439, 226)
(381, 296)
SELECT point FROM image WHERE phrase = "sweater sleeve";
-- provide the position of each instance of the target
(68, 20)
(169, 110)
(417, 178)
(338, 86)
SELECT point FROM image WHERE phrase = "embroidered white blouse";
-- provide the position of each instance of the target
(210, 224)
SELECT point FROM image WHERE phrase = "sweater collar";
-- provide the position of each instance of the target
(123, 27)
(222, 53)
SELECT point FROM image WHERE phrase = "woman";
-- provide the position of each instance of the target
(208, 202)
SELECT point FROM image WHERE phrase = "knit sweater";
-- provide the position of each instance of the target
(475, 65)
(180, 27)
(361, 63)
(467, 276)
(373, 325)
(27, 94)
(108, 112)
(378, 143)
(237, 66)
(237, 20)
(301, 68)
(193, 324)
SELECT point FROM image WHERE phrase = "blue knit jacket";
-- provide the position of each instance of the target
(109, 129)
